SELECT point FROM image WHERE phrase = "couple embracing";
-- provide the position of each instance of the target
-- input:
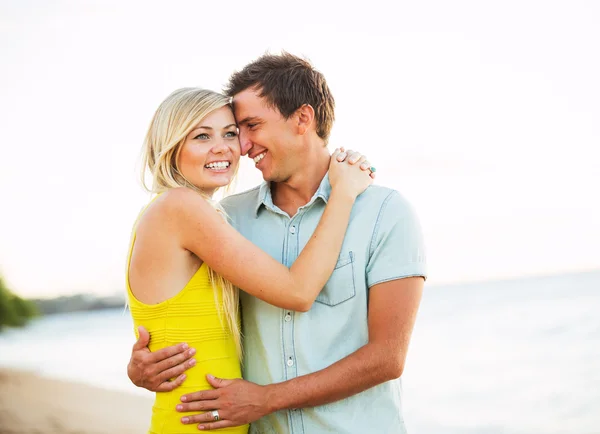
(284, 309)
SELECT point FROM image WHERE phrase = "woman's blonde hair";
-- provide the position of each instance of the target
(174, 119)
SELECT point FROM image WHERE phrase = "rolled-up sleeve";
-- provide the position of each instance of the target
(397, 247)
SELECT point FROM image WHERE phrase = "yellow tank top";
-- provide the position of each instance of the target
(192, 316)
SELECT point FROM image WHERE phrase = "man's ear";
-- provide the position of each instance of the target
(305, 116)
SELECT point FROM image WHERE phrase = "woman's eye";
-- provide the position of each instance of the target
(202, 136)
(231, 134)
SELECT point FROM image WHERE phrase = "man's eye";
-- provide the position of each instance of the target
(251, 125)
(202, 136)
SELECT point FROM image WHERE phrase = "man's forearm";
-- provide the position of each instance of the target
(392, 311)
(367, 367)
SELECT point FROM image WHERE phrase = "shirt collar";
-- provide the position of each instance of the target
(265, 199)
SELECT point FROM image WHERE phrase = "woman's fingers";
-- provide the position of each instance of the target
(342, 155)
(355, 157)
(352, 158)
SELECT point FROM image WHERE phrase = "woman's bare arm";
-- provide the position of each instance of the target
(205, 233)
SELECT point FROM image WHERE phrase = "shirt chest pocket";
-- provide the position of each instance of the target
(341, 285)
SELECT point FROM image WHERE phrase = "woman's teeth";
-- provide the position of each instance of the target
(259, 157)
(219, 165)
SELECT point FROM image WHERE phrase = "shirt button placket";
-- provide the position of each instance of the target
(288, 316)
(288, 340)
(290, 362)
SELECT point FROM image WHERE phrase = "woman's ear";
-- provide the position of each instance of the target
(305, 115)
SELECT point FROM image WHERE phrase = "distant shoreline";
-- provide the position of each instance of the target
(77, 303)
(82, 302)
(32, 403)
(523, 278)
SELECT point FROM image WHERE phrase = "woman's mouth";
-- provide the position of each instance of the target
(218, 166)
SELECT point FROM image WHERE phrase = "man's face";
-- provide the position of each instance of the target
(271, 141)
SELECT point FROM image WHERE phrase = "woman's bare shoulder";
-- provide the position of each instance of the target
(178, 203)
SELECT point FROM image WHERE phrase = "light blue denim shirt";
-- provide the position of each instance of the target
(383, 242)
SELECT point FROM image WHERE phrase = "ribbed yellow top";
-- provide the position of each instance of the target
(192, 316)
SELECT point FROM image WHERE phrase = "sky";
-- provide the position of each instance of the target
(485, 115)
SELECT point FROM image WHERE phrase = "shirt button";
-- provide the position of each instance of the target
(288, 317)
(290, 362)
(293, 229)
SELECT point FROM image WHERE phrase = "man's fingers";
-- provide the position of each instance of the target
(207, 420)
(175, 360)
(209, 405)
(215, 425)
(205, 416)
(203, 395)
(218, 382)
(143, 339)
(167, 386)
(174, 372)
(165, 353)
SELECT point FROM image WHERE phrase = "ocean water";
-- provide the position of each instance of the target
(514, 357)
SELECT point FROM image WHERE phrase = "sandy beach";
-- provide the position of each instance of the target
(32, 404)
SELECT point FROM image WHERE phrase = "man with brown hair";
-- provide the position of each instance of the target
(337, 367)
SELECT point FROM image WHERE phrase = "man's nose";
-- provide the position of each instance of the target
(245, 143)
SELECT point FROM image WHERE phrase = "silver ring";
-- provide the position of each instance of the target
(215, 415)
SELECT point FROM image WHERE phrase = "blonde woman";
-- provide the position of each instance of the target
(186, 261)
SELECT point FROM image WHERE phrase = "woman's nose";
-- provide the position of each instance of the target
(220, 147)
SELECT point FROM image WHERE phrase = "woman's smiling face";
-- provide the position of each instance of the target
(210, 154)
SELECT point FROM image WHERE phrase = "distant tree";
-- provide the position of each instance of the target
(14, 311)
(8, 316)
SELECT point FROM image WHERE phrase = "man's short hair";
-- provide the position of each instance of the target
(287, 82)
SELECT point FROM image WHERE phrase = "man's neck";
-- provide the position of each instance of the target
(301, 187)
